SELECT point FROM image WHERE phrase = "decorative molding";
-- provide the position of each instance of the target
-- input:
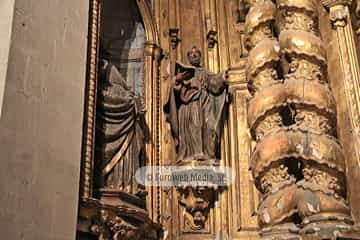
(152, 35)
(339, 13)
(87, 157)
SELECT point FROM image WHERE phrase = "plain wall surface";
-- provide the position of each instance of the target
(41, 122)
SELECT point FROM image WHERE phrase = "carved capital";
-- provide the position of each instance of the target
(338, 11)
(153, 50)
(339, 15)
(332, 3)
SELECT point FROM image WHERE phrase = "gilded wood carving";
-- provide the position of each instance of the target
(283, 132)
(302, 182)
(195, 111)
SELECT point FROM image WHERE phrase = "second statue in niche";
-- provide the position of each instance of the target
(194, 109)
(121, 134)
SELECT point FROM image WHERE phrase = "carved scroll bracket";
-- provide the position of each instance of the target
(174, 37)
(197, 202)
(211, 38)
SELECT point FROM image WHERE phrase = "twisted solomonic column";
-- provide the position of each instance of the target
(321, 188)
(265, 117)
(297, 164)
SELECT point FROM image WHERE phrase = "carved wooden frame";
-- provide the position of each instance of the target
(152, 58)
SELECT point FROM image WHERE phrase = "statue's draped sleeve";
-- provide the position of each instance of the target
(218, 97)
(170, 109)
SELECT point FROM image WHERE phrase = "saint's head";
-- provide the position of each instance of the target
(194, 56)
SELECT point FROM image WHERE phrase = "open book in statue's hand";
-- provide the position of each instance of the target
(187, 71)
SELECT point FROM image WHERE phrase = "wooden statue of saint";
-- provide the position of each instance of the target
(195, 108)
(121, 132)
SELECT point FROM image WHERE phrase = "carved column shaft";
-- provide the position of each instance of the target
(294, 124)
(322, 178)
(265, 119)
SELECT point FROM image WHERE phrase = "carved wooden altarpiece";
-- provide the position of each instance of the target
(290, 130)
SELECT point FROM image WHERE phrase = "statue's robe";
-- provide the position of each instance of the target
(194, 109)
(119, 132)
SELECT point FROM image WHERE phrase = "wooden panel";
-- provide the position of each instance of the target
(191, 26)
(244, 197)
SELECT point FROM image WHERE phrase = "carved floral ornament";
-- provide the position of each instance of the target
(296, 143)
(298, 15)
(291, 92)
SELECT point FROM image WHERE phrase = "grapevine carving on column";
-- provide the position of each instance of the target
(298, 164)
(265, 117)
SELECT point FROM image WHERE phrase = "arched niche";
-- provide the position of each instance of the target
(151, 93)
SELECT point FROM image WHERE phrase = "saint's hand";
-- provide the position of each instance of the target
(182, 76)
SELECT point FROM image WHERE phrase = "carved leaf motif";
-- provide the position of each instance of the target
(299, 21)
(274, 178)
(325, 179)
(270, 123)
